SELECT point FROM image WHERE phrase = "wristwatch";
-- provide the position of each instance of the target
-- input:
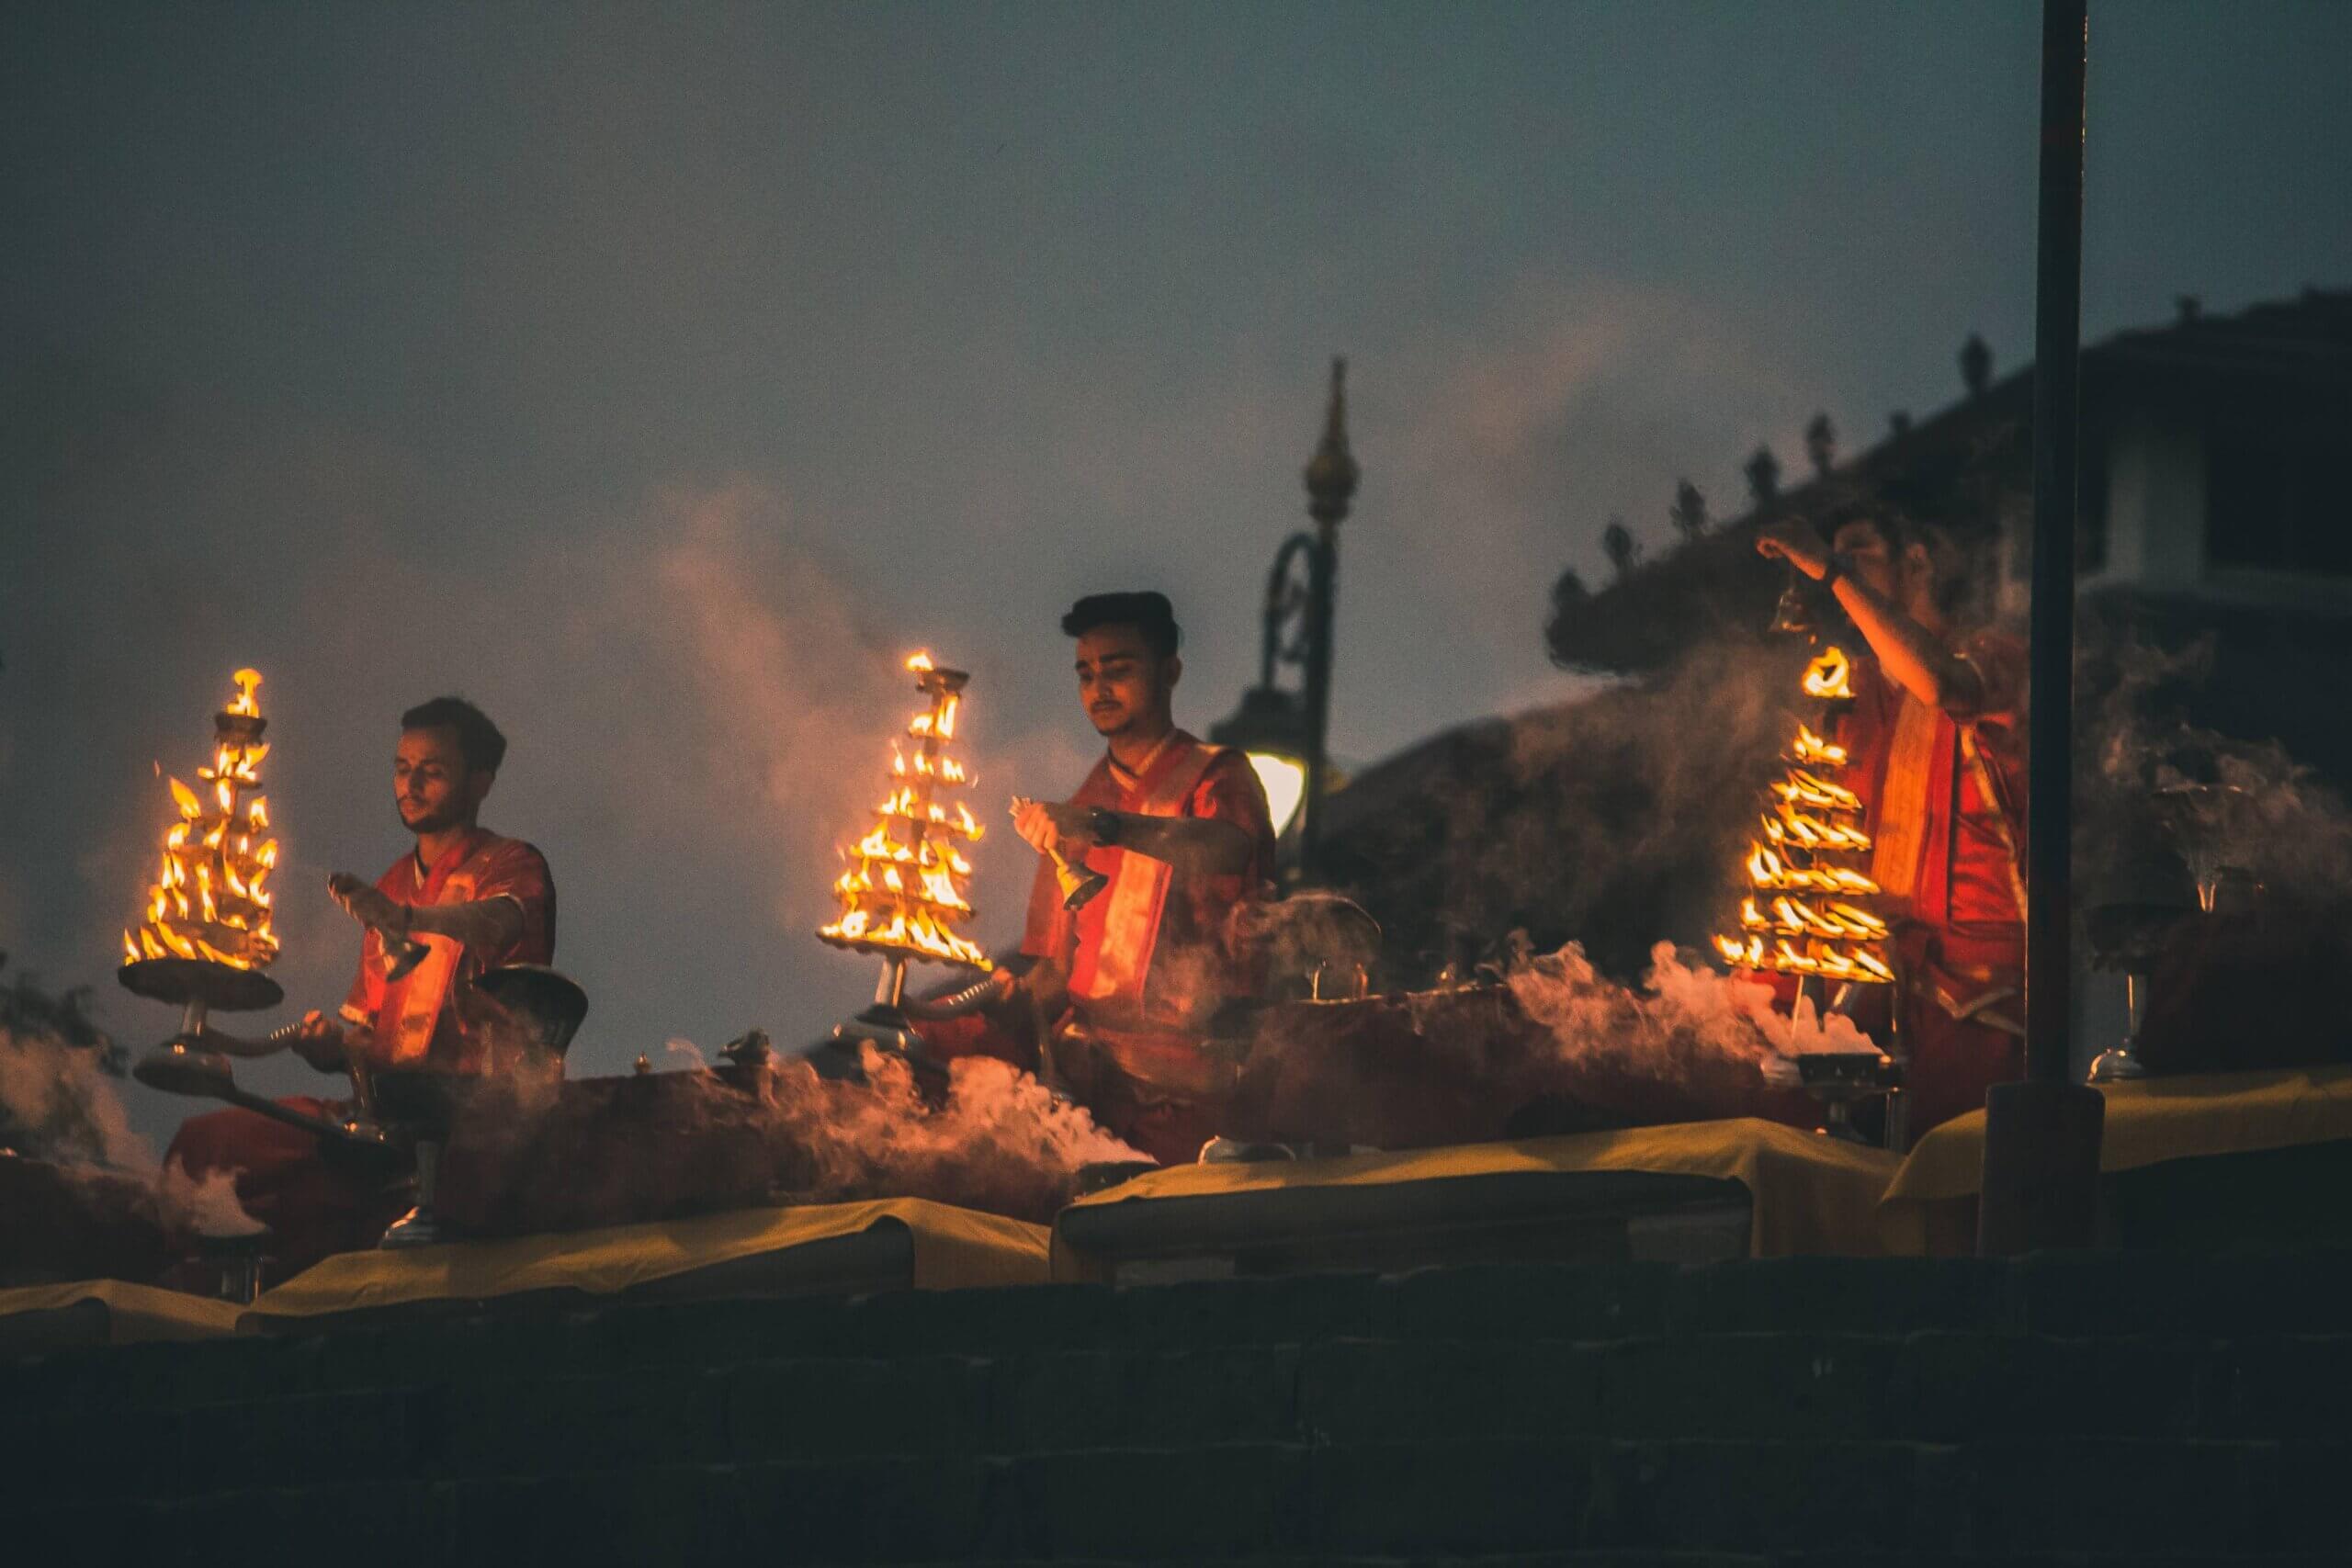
(1834, 569)
(1102, 826)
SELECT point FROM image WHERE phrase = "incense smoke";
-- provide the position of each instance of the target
(204, 1206)
(1681, 1020)
(58, 1106)
(998, 1140)
(2156, 789)
(1613, 821)
(765, 1130)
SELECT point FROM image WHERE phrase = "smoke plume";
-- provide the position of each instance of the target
(769, 1129)
(998, 1140)
(1615, 821)
(57, 1106)
(2158, 793)
(203, 1206)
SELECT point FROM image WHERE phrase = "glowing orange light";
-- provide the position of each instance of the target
(1812, 820)
(208, 900)
(245, 705)
(1829, 675)
(884, 908)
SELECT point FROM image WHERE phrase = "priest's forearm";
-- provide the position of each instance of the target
(488, 923)
(1909, 652)
(1196, 846)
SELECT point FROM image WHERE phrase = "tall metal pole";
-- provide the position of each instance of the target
(1331, 476)
(2041, 1136)
(2049, 959)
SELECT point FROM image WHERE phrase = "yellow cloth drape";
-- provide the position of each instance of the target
(134, 1313)
(1811, 1193)
(2148, 1121)
(953, 1248)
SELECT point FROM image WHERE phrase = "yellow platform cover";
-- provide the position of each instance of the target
(2153, 1119)
(953, 1248)
(1811, 1193)
(134, 1313)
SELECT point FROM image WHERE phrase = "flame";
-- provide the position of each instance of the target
(1812, 748)
(1768, 870)
(1811, 832)
(903, 892)
(1816, 958)
(208, 900)
(1828, 676)
(1812, 789)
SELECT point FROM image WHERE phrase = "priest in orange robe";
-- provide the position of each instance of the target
(1936, 742)
(475, 901)
(1129, 983)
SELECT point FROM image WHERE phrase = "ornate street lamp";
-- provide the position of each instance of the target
(1286, 729)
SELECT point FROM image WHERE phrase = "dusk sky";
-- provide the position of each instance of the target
(660, 377)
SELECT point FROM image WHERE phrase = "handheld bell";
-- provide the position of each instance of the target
(402, 955)
(1794, 614)
(1079, 883)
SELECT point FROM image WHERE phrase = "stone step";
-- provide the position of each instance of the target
(2136, 1501)
(2117, 1296)
(460, 1419)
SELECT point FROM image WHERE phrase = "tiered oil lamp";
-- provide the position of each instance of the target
(904, 896)
(1807, 909)
(206, 937)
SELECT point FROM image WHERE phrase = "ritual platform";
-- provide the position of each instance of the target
(1693, 1192)
(2210, 1161)
(832, 1248)
(39, 1318)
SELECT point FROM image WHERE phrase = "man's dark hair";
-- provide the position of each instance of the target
(1901, 532)
(1149, 614)
(478, 742)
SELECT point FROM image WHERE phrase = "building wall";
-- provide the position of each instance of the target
(2155, 503)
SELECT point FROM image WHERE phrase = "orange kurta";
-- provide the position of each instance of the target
(319, 1201)
(421, 1020)
(1943, 803)
(1154, 955)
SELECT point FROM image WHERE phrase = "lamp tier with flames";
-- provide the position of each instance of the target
(904, 893)
(1808, 907)
(209, 901)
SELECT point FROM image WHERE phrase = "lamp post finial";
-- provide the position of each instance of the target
(1332, 473)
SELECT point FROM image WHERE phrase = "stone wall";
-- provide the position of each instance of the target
(2119, 1408)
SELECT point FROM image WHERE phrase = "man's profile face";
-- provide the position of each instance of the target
(1872, 558)
(430, 783)
(1122, 682)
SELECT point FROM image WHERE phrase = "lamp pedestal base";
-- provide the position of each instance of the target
(2040, 1186)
